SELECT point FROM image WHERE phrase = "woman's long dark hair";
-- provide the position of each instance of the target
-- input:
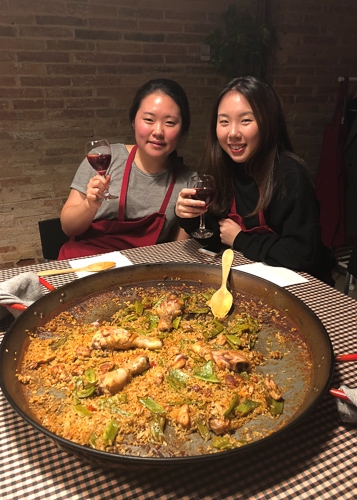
(264, 165)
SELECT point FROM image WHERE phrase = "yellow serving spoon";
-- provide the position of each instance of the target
(222, 299)
(92, 268)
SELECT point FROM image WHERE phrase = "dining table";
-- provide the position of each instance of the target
(317, 459)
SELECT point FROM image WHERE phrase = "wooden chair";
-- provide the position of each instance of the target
(52, 238)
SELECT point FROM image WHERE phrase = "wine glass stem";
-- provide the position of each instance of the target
(202, 222)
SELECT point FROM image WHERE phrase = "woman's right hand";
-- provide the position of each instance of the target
(188, 208)
(96, 188)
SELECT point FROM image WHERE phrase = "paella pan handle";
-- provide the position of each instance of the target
(22, 307)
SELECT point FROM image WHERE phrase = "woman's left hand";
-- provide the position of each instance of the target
(228, 231)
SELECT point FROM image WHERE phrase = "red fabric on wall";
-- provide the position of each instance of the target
(330, 179)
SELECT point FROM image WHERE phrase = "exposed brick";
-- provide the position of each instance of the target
(140, 13)
(42, 32)
(145, 37)
(37, 104)
(43, 56)
(96, 11)
(70, 68)
(113, 23)
(70, 45)
(97, 35)
(45, 82)
(61, 20)
(8, 31)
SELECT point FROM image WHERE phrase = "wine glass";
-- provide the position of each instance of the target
(99, 156)
(205, 191)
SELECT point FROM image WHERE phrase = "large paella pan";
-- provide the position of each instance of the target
(284, 369)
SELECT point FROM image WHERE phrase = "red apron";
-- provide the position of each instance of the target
(261, 229)
(109, 235)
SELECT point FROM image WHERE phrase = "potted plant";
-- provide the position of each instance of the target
(242, 47)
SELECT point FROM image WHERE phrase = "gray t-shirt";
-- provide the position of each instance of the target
(145, 192)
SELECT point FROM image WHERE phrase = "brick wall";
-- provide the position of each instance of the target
(69, 69)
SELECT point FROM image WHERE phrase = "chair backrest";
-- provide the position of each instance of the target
(52, 238)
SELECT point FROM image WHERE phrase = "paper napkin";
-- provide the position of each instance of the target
(278, 275)
(119, 259)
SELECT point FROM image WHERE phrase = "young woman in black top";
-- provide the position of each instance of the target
(265, 205)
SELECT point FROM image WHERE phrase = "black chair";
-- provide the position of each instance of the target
(52, 238)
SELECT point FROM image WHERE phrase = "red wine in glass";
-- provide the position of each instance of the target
(205, 194)
(205, 191)
(99, 156)
(100, 162)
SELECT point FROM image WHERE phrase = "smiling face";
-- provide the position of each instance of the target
(237, 129)
(157, 126)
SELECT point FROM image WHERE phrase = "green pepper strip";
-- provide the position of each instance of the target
(276, 407)
(206, 373)
(176, 322)
(204, 310)
(231, 407)
(92, 440)
(90, 375)
(247, 406)
(139, 308)
(57, 343)
(85, 393)
(151, 405)
(157, 426)
(110, 432)
(222, 443)
(82, 411)
(203, 429)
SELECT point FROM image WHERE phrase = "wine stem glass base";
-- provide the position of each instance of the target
(202, 234)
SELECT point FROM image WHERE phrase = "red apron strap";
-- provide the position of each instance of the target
(124, 186)
(125, 183)
(168, 194)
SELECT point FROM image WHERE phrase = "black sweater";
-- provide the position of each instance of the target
(292, 215)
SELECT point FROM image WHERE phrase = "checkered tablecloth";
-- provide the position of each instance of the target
(316, 460)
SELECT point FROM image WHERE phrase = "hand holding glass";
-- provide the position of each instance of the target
(99, 156)
(205, 191)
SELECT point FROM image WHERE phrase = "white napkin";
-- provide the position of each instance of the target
(119, 259)
(278, 275)
(348, 410)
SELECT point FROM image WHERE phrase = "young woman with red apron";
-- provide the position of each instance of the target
(105, 236)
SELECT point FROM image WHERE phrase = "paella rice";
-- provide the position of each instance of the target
(161, 369)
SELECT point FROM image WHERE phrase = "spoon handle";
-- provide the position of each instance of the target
(51, 272)
(227, 261)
